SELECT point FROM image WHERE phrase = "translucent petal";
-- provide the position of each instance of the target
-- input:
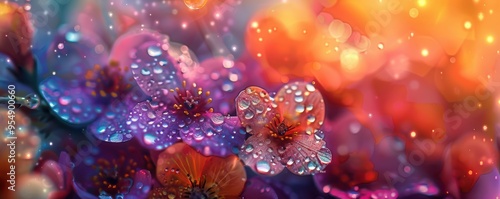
(228, 174)
(154, 126)
(71, 54)
(261, 155)
(214, 134)
(178, 162)
(111, 126)
(255, 109)
(69, 101)
(306, 154)
(146, 54)
(300, 103)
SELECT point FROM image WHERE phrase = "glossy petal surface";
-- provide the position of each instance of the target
(214, 134)
(306, 154)
(301, 104)
(261, 155)
(255, 108)
(69, 101)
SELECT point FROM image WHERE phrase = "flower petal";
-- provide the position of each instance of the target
(214, 134)
(227, 174)
(177, 164)
(261, 155)
(142, 185)
(146, 54)
(306, 154)
(255, 109)
(71, 54)
(69, 101)
(155, 127)
(300, 103)
(256, 188)
(111, 126)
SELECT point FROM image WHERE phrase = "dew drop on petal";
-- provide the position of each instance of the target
(263, 167)
(324, 156)
(249, 115)
(32, 101)
(248, 148)
(149, 139)
(64, 100)
(299, 108)
(145, 72)
(154, 51)
(243, 104)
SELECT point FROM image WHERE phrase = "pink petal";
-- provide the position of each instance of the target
(300, 103)
(261, 155)
(255, 109)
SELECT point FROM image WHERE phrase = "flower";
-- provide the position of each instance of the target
(285, 129)
(113, 170)
(177, 109)
(184, 173)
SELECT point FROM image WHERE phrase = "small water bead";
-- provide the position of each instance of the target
(249, 115)
(154, 51)
(263, 167)
(145, 72)
(299, 108)
(157, 70)
(31, 101)
(312, 166)
(325, 156)
(310, 88)
(290, 162)
(249, 148)
(299, 99)
(311, 118)
(149, 139)
(64, 100)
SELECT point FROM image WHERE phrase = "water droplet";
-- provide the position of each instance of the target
(299, 98)
(151, 115)
(149, 139)
(263, 167)
(311, 166)
(299, 108)
(243, 104)
(310, 88)
(249, 148)
(289, 162)
(134, 66)
(249, 115)
(217, 119)
(324, 156)
(157, 70)
(101, 129)
(64, 100)
(60, 46)
(31, 101)
(116, 137)
(145, 72)
(198, 135)
(311, 118)
(154, 51)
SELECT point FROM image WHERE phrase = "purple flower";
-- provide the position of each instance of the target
(178, 109)
(114, 170)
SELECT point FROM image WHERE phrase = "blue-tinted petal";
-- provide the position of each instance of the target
(70, 101)
(154, 126)
(111, 126)
(214, 134)
(71, 54)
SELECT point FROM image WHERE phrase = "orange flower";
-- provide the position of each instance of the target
(185, 173)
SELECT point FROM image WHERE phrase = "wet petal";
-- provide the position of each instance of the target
(111, 126)
(215, 134)
(261, 155)
(153, 125)
(256, 188)
(306, 154)
(142, 185)
(71, 54)
(300, 103)
(255, 109)
(69, 101)
(177, 164)
(146, 54)
(227, 174)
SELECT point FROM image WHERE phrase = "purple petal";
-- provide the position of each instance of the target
(214, 134)
(256, 188)
(142, 185)
(71, 54)
(111, 126)
(69, 101)
(155, 128)
(261, 155)
(80, 191)
(146, 54)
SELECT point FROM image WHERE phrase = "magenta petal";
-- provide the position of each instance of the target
(146, 54)
(142, 185)
(261, 155)
(256, 188)
(214, 134)
(69, 101)
(155, 128)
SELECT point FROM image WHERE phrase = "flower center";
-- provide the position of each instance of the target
(113, 177)
(191, 101)
(199, 190)
(279, 128)
(107, 81)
